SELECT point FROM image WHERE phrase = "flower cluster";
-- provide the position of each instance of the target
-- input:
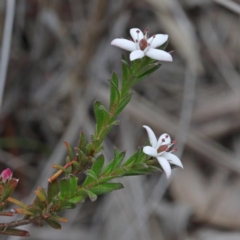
(141, 45)
(160, 149)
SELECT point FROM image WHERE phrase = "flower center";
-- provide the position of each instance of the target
(143, 44)
(163, 148)
(167, 147)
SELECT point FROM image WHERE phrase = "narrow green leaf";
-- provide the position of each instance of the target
(141, 157)
(82, 143)
(127, 85)
(118, 158)
(52, 191)
(142, 171)
(23, 211)
(91, 195)
(123, 103)
(76, 200)
(57, 166)
(107, 130)
(102, 116)
(75, 166)
(67, 205)
(17, 202)
(147, 72)
(98, 164)
(135, 65)
(91, 177)
(73, 184)
(41, 194)
(64, 188)
(54, 224)
(70, 151)
(131, 160)
(15, 232)
(105, 188)
(126, 70)
(114, 92)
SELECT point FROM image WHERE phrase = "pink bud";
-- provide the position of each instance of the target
(6, 174)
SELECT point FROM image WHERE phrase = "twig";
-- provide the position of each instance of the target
(6, 43)
(19, 222)
(230, 5)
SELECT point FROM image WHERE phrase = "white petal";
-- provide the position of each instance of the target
(124, 44)
(165, 166)
(159, 55)
(150, 151)
(136, 34)
(164, 139)
(173, 159)
(151, 136)
(157, 40)
(136, 54)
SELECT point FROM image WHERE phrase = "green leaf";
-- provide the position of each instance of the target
(75, 166)
(105, 188)
(76, 200)
(142, 171)
(107, 129)
(41, 194)
(126, 70)
(67, 205)
(141, 157)
(57, 166)
(131, 160)
(9, 188)
(147, 71)
(82, 143)
(70, 151)
(118, 158)
(91, 195)
(17, 202)
(123, 103)
(64, 188)
(54, 224)
(127, 85)
(102, 116)
(135, 65)
(98, 164)
(114, 92)
(91, 177)
(73, 184)
(52, 191)
(14, 232)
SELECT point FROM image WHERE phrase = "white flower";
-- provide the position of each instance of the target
(143, 46)
(160, 149)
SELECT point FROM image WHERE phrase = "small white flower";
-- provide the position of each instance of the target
(143, 46)
(160, 149)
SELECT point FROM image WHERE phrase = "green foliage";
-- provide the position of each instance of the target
(111, 167)
(106, 188)
(15, 232)
(114, 92)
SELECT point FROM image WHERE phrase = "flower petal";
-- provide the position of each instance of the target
(157, 40)
(124, 44)
(150, 151)
(173, 159)
(164, 139)
(165, 166)
(151, 136)
(136, 54)
(136, 34)
(159, 55)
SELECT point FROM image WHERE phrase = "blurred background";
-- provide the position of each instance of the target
(59, 64)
